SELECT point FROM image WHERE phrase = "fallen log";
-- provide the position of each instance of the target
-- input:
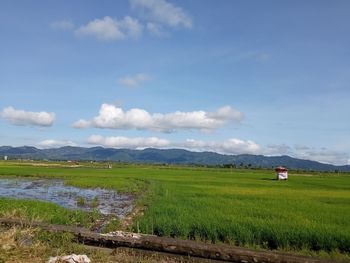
(164, 244)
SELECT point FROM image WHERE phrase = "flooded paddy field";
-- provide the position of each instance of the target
(107, 202)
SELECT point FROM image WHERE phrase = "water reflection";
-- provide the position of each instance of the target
(107, 202)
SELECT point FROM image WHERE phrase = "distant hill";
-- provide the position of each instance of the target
(168, 156)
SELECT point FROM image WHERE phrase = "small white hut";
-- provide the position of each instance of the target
(282, 173)
(5, 157)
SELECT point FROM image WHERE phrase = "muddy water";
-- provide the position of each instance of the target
(107, 202)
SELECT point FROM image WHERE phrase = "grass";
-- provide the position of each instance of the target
(245, 209)
(80, 201)
(95, 202)
(47, 212)
(241, 207)
(30, 245)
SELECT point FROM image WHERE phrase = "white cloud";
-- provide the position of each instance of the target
(322, 155)
(156, 29)
(133, 81)
(300, 147)
(157, 13)
(279, 149)
(113, 117)
(163, 12)
(28, 118)
(130, 143)
(107, 28)
(225, 113)
(55, 143)
(230, 146)
(62, 25)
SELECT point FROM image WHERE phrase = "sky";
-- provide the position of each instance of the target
(234, 77)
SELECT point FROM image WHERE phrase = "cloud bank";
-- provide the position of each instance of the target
(229, 146)
(129, 143)
(28, 118)
(113, 117)
(323, 155)
(107, 29)
(46, 144)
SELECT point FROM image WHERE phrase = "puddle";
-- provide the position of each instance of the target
(107, 202)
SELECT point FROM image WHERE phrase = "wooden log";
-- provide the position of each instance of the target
(164, 244)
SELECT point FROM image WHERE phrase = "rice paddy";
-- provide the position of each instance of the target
(243, 207)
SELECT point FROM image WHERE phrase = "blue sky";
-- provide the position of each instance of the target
(260, 77)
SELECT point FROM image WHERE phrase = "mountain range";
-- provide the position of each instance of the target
(165, 156)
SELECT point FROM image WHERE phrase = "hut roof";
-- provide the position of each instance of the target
(281, 169)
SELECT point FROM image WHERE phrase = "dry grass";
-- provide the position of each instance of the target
(140, 256)
(18, 245)
(22, 245)
(19, 214)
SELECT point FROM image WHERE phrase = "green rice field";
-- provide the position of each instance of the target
(243, 207)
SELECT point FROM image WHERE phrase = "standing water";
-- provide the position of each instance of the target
(107, 202)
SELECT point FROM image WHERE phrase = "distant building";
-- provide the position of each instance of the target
(5, 157)
(282, 173)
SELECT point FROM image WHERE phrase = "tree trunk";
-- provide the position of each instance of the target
(165, 244)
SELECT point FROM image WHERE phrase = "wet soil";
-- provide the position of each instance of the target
(107, 202)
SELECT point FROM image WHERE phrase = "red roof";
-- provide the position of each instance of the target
(281, 169)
